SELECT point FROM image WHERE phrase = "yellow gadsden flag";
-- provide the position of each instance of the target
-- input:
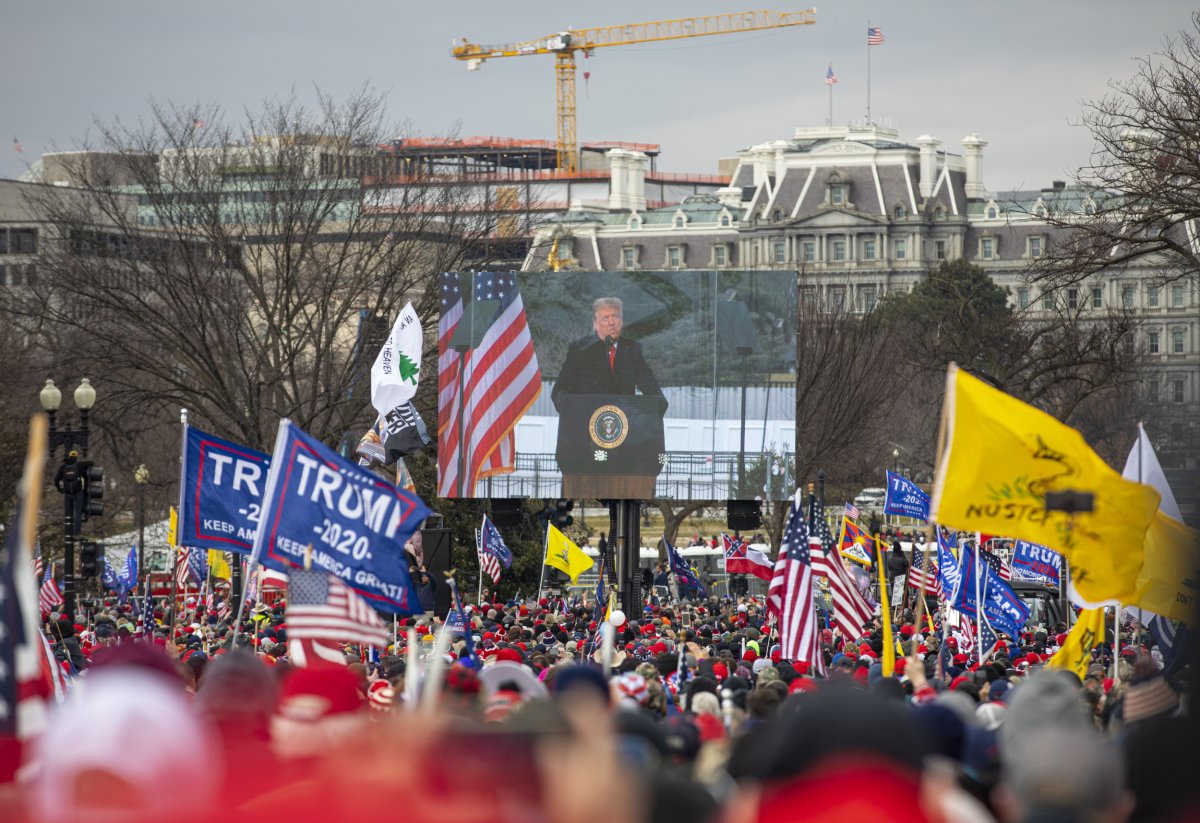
(564, 555)
(1076, 653)
(997, 459)
(217, 566)
(173, 529)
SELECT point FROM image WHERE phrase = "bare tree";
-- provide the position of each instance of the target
(1143, 174)
(246, 270)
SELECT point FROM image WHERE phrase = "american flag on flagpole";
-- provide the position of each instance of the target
(494, 555)
(874, 36)
(503, 380)
(48, 595)
(17, 147)
(851, 612)
(830, 77)
(321, 607)
(1002, 569)
(790, 595)
(925, 579)
(852, 511)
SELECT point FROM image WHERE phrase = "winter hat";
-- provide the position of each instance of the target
(318, 709)
(631, 689)
(380, 695)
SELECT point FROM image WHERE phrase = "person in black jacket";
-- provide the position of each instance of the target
(897, 563)
(604, 362)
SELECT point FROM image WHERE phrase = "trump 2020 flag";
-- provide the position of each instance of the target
(397, 367)
(905, 498)
(323, 511)
(221, 492)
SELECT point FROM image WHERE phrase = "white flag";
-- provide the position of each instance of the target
(397, 367)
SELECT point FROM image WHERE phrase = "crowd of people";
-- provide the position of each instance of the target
(698, 719)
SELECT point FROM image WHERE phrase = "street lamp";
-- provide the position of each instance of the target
(141, 476)
(76, 477)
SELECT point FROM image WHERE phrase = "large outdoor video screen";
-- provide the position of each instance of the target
(617, 385)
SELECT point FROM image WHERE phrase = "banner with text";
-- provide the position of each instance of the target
(905, 498)
(354, 523)
(1004, 609)
(222, 493)
(1032, 560)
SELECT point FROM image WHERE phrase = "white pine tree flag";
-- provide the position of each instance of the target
(397, 367)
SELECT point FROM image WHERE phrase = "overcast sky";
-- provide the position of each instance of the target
(1014, 72)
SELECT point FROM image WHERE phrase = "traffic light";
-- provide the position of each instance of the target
(93, 483)
(89, 559)
(562, 513)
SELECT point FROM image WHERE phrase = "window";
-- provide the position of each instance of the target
(839, 250)
(899, 213)
(3, 241)
(629, 258)
(1152, 342)
(1035, 246)
(779, 251)
(1152, 297)
(939, 249)
(987, 247)
(1177, 341)
(939, 213)
(776, 215)
(808, 295)
(1177, 390)
(1127, 297)
(837, 195)
(991, 213)
(837, 298)
(3, 274)
(809, 248)
(868, 250)
(725, 221)
(1072, 298)
(674, 257)
(1097, 297)
(868, 298)
(1152, 389)
(901, 249)
(1047, 300)
(1177, 297)
(1023, 297)
(680, 221)
(1128, 342)
(720, 255)
(22, 241)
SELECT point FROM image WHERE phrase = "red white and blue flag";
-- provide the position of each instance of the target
(494, 555)
(925, 579)
(499, 381)
(49, 596)
(830, 77)
(790, 596)
(851, 611)
(874, 36)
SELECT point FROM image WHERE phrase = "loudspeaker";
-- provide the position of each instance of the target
(436, 545)
(743, 515)
(507, 512)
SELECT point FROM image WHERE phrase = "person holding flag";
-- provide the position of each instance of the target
(564, 555)
(494, 555)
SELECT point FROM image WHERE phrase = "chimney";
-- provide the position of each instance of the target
(973, 149)
(929, 146)
(618, 196)
(635, 188)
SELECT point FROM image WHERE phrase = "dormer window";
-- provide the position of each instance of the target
(899, 213)
(837, 194)
(680, 221)
(635, 222)
(837, 189)
(726, 221)
(776, 215)
(991, 212)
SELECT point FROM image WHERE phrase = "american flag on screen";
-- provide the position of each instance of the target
(322, 607)
(790, 594)
(502, 381)
(494, 556)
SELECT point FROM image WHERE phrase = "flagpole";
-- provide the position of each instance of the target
(978, 602)
(545, 556)
(830, 101)
(479, 558)
(183, 420)
(868, 74)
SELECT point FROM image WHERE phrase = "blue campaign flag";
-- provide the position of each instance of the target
(108, 577)
(684, 575)
(1001, 605)
(127, 576)
(1030, 559)
(905, 498)
(221, 499)
(197, 565)
(352, 522)
(948, 563)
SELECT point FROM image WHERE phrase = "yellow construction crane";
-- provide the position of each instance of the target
(565, 44)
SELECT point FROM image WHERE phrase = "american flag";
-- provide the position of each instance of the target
(38, 566)
(874, 36)
(503, 380)
(790, 594)
(830, 77)
(852, 511)
(494, 556)
(851, 612)
(17, 147)
(321, 607)
(181, 568)
(48, 595)
(987, 637)
(925, 579)
(1002, 569)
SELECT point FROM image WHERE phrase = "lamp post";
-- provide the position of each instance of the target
(141, 476)
(71, 477)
